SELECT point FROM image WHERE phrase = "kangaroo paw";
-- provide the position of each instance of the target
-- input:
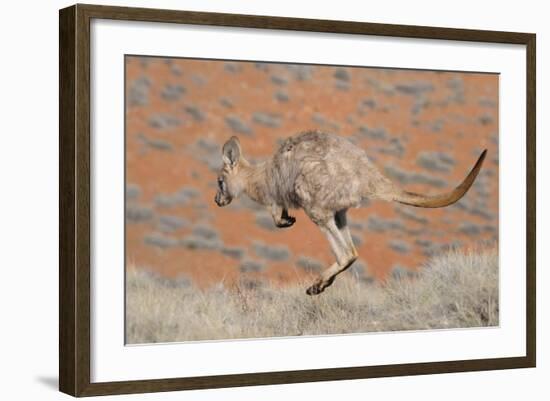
(286, 222)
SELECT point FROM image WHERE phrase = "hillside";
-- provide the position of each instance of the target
(423, 129)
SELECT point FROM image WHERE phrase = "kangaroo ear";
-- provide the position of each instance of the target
(231, 152)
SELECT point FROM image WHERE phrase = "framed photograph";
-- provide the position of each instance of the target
(250, 200)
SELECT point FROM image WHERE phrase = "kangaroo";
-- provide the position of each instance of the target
(325, 175)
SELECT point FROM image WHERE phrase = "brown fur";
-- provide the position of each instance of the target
(324, 175)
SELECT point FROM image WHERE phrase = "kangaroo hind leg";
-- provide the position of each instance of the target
(341, 221)
(341, 243)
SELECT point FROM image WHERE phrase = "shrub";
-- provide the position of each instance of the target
(172, 92)
(160, 241)
(138, 93)
(399, 245)
(251, 266)
(164, 121)
(415, 88)
(342, 74)
(237, 125)
(435, 161)
(267, 119)
(138, 214)
(196, 113)
(271, 252)
(233, 252)
(309, 264)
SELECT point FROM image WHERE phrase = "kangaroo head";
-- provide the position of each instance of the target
(230, 182)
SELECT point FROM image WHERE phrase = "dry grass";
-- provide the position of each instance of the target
(455, 289)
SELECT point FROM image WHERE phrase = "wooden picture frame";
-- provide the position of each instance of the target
(75, 200)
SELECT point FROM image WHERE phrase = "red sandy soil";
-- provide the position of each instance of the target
(455, 114)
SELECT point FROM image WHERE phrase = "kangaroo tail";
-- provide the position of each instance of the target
(442, 200)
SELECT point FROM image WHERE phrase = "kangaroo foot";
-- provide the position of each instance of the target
(319, 286)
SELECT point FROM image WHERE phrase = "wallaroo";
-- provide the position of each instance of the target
(325, 175)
